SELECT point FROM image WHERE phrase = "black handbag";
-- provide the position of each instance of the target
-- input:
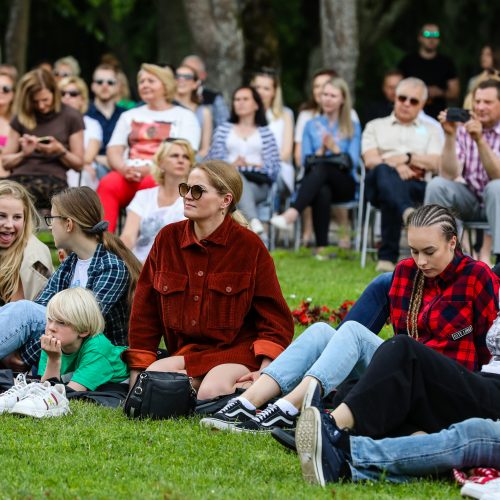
(159, 395)
(340, 160)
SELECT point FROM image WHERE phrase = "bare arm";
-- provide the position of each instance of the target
(17, 150)
(297, 153)
(91, 152)
(372, 158)
(450, 167)
(287, 147)
(206, 132)
(115, 158)
(431, 163)
(131, 229)
(452, 91)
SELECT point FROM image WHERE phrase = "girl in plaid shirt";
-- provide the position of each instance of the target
(97, 260)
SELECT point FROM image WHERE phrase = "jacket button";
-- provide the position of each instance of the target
(196, 298)
(165, 288)
(200, 273)
(193, 322)
(228, 289)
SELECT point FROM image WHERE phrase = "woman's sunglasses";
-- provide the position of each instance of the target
(184, 76)
(70, 93)
(196, 190)
(412, 100)
(6, 89)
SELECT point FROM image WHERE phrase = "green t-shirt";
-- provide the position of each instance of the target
(95, 363)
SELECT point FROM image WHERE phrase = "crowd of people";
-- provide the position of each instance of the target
(159, 215)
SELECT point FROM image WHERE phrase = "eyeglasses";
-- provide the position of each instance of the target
(412, 100)
(102, 82)
(49, 219)
(184, 76)
(6, 89)
(62, 74)
(196, 190)
(430, 34)
(70, 93)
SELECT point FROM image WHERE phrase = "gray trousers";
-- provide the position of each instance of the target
(462, 201)
(253, 195)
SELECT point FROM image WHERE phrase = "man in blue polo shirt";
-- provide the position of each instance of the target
(104, 109)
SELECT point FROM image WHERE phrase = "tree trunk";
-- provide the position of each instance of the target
(339, 38)
(16, 35)
(218, 41)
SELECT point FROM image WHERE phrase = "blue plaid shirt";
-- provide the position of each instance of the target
(108, 278)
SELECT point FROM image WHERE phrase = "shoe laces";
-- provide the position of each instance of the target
(229, 406)
(269, 410)
(19, 383)
(38, 390)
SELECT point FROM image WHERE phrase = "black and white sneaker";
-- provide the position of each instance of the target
(266, 420)
(235, 412)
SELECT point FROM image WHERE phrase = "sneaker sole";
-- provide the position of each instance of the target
(306, 402)
(55, 412)
(213, 423)
(309, 445)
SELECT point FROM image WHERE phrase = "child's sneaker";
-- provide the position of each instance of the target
(17, 392)
(43, 400)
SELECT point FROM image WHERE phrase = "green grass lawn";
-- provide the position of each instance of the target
(98, 453)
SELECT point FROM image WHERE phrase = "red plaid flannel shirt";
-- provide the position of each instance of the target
(458, 307)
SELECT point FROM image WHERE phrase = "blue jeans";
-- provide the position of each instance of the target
(372, 307)
(472, 443)
(330, 356)
(20, 322)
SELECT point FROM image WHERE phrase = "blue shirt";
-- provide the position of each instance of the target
(313, 138)
(107, 124)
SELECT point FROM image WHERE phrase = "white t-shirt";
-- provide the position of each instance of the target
(249, 148)
(153, 218)
(147, 124)
(93, 130)
(80, 276)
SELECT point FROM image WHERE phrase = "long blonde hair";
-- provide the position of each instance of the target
(345, 121)
(11, 258)
(425, 216)
(225, 179)
(83, 207)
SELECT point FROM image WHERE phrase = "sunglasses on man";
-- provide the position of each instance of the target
(412, 100)
(102, 82)
(430, 34)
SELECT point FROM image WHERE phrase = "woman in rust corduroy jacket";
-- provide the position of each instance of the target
(209, 288)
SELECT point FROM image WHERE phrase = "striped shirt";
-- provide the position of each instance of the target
(270, 155)
(474, 173)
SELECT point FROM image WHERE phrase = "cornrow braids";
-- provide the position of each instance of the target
(427, 215)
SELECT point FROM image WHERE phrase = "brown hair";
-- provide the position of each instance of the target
(225, 179)
(83, 207)
(11, 258)
(425, 216)
(31, 83)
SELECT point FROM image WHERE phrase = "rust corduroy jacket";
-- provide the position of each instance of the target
(214, 301)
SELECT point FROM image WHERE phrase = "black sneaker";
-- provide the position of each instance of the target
(266, 420)
(233, 413)
(320, 460)
(285, 437)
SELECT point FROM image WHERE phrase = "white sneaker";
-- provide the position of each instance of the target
(256, 226)
(43, 400)
(280, 222)
(489, 490)
(17, 392)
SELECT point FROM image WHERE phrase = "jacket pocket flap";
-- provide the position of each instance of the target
(229, 283)
(168, 282)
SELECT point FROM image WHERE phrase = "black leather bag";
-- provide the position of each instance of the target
(159, 395)
(342, 161)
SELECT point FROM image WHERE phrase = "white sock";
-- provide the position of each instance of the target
(286, 406)
(246, 403)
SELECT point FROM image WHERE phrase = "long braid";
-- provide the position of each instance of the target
(428, 215)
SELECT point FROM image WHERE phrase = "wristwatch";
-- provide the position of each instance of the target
(408, 158)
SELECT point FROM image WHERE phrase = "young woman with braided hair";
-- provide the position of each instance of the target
(439, 296)
(97, 260)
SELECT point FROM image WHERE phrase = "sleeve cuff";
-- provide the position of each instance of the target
(267, 348)
(138, 359)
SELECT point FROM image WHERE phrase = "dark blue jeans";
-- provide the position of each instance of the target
(372, 307)
(387, 191)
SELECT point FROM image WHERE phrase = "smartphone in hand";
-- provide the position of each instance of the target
(44, 140)
(457, 115)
